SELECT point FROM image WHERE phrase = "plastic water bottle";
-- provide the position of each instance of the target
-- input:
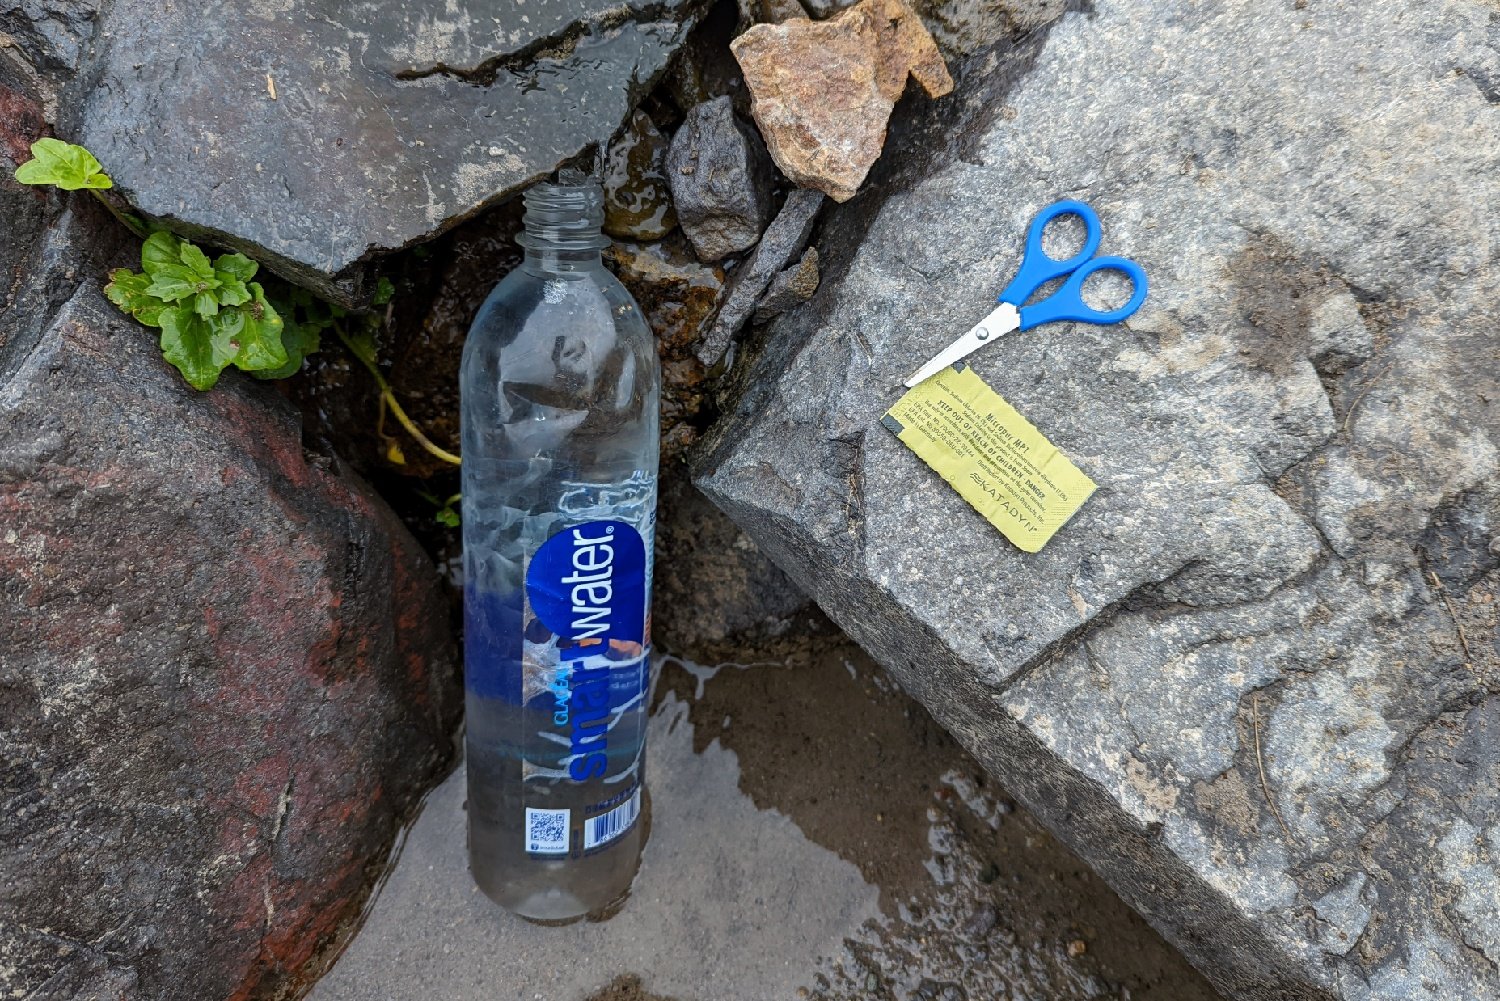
(561, 388)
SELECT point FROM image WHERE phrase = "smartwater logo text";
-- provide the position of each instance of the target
(593, 588)
(587, 586)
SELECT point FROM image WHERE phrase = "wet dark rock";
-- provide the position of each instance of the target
(1233, 682)
(637, 198)
(792, 287)
(721, 180)
(679, 297)
(225, 672)
(771, 11)
(44, 44)
(713, 590)
(24, 210)
(700, 72)
(389, 123)
(821, 9)
(784, 239)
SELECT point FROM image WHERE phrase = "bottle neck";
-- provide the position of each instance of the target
(563, 227)
(554, 261)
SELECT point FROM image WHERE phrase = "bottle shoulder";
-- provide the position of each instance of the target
(574, 334)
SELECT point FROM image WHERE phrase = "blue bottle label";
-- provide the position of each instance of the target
(557, 658)
(587, 586)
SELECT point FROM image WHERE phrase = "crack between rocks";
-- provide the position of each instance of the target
(558, 46)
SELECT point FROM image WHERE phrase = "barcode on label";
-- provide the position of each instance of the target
(546, 830)
(608, 826)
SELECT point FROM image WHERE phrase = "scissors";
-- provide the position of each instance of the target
(1036, 270)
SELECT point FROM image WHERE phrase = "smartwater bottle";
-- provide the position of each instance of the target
(560, 407)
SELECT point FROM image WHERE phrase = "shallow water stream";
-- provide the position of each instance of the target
(813, 835)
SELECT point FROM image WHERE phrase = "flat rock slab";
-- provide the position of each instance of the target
(315, 136)
(1254, 682)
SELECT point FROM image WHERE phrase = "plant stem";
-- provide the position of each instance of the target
(390, 401)
(130, 222)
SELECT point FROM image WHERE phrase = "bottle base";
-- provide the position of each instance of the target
(554, 908)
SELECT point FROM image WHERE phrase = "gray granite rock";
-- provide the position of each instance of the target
(1255, 681)
(226, 670)
(42, 43)
(721, 179)
(783, 240)
(388, 122)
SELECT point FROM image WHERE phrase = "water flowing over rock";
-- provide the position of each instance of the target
(637, 197)
(225, 669)
(1254, 681)
(323, 135)
(822, 91)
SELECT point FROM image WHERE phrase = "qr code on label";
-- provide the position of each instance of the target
(546, 830)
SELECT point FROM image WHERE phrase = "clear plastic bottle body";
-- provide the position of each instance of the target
(560, 387)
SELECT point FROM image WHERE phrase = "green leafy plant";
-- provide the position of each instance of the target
(62, 165)
(447, 512)
(211, 313)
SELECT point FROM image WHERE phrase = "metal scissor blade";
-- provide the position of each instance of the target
(1002, 320)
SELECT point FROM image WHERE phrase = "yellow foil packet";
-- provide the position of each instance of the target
(996, 459)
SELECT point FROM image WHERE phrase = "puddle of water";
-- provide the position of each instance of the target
(977, 899)
(814, 835)
(731, 901)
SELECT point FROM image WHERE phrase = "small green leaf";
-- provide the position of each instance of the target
(64, 165)
(197, 260)
(195, 347)
(173, 282)
(205, 305)
(447, 516)
(128, 290)
(298, 339)
(256, 330)
(383, 291)
(257, 336)
(235, 266)
(232, 292)
(161, 249)
(362, 343)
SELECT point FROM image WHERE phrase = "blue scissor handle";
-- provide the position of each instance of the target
(1037, 269)
(1067, 302)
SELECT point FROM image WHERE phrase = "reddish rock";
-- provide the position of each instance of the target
(225, 670)
(822, 91)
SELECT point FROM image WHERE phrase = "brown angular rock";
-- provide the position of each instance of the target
(679, 297)
(822, 91)
(792, 287)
